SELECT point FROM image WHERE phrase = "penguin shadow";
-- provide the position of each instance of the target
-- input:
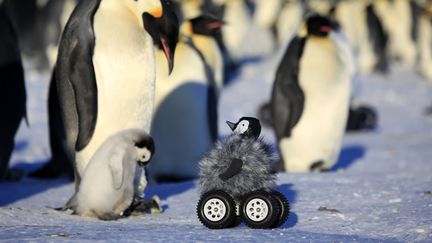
(11, 192)
(164, 191)
(233, 70)
(348, 156)
(291, 194)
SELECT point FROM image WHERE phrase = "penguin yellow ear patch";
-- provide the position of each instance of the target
(156, 12)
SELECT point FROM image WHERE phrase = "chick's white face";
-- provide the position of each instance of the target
(143, 155)
(242, 127)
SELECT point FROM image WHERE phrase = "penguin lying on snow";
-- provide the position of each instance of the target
(108, 187)
(239, 164)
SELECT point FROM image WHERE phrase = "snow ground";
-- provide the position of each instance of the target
(381, 191)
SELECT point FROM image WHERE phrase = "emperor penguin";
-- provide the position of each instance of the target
(108, 184)
(12, 91)
(184, 125)
(106, 71)
(424, 40)
(310, 97)
(397, 20)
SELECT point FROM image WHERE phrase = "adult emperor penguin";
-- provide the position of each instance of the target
(105, 71)
(311, 96)
(184, 125)
(12, 92)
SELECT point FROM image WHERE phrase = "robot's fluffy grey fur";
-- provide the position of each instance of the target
(254, 170)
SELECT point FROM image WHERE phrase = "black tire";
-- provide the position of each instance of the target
(284, 206)
(217, 210)
(260, 210)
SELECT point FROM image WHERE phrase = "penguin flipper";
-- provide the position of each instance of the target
(287, 97)
(116, 165)
(76, 76)
(233, 169)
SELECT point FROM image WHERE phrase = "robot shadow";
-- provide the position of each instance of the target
(291, 195)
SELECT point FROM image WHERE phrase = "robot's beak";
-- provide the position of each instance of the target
(231, 125)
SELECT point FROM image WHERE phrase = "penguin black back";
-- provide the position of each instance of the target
(12, 90)
(287, 96)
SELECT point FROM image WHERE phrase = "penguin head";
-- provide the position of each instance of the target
(207, 25)
(144, 150)
(320, 26)
(247, 126)
(163, 27)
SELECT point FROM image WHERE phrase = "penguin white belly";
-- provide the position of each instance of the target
(424, 43)
(213, 56)
(235, 32)
(180, 125)
(289, 21)
(325, 81)
(124, 65)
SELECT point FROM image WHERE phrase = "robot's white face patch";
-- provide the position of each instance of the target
(143, 155)
(242, 127)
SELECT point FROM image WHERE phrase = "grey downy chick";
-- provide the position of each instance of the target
(108, 184)
(239, 164)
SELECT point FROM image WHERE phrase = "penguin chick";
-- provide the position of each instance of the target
(239, 164)
(107, 188)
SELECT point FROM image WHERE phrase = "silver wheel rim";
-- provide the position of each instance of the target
(257, 210)
(214, 209)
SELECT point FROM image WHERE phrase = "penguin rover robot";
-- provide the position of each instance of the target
(237, 184)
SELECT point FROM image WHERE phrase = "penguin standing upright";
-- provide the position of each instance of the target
(184, 125)
(310, 97)
(12, 92)
(105, 71)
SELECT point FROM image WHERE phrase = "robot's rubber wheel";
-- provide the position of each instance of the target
(284, 206)
(259, 209)
(217, 210)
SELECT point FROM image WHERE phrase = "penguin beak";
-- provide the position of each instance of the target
(168, 54)
(325, 29)
(215, 25)
(231, 125)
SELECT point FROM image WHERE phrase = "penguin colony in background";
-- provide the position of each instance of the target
(106, 78)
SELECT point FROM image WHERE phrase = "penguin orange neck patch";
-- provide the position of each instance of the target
(156, 12)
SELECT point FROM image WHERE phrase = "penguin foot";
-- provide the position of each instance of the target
(318, 167)
(152, 206)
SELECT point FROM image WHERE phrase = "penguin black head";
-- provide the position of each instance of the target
(246, 126)
(164, 30)
(320, 26)
(144, 150)
(206, 25)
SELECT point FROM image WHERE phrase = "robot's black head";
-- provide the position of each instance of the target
(318, 25)
(246, 126)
